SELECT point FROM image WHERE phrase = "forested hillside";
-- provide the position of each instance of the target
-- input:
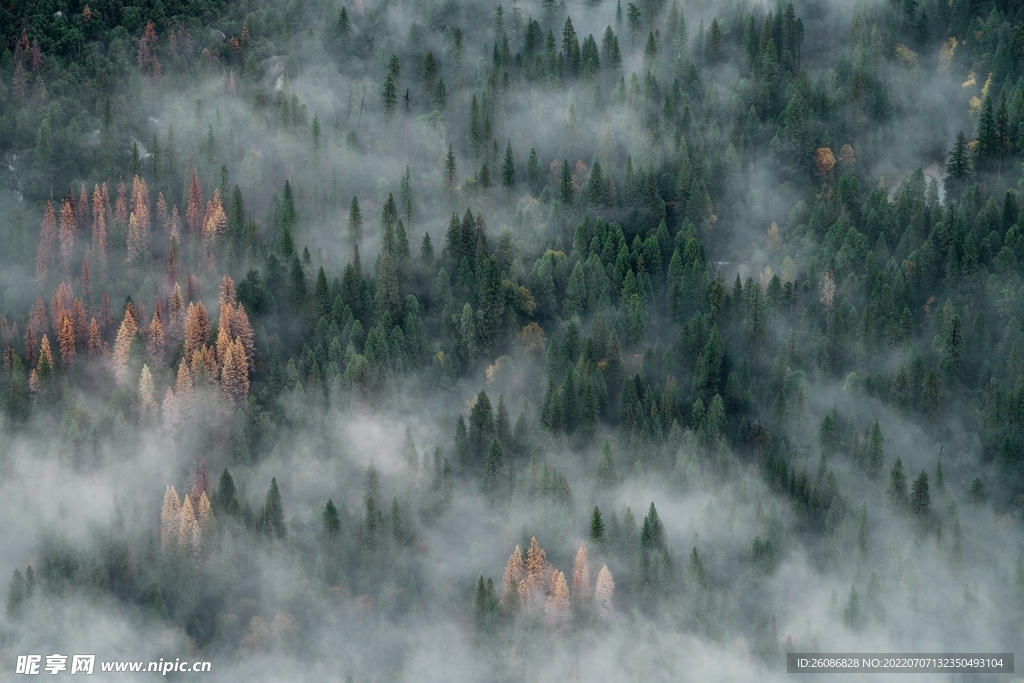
(450, 340)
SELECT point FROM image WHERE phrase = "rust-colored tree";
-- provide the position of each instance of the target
(824, 162)
(515, 570)
(138, 222)
(95, 344)
(234, 378)
(68, 229)
(189, 533)
(215, 221)
(122, 344)
(66, 341)
(537, 570)
(197, 328)
(60, 303)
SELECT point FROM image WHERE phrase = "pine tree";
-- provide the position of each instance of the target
(450, 174)
(958, 169)
(897, 490)
(920, 500)
(508, 169)
(273, 513)
(875, 456)
(606, 477)
(494, 471)
(355, 222)
(225, 491)
(514, 572)
(596, 533)
(851, 615)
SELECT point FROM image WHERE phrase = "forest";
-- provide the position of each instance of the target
(587, 340)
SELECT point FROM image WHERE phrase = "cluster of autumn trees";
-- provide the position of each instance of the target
(530, 585)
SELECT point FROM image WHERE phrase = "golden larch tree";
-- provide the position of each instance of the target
(47, 235)
(95, 343)
(514, 573)
(122, 344)
(156, 345)
(189, 534)
(556, 609)
(536, 573)
(45, 353)
(170, 515)
(99, 229)
(66, 341)
(207, 522)
(234, 379)
(68, 229)
(235, 322)
(581, 576)
(215, 221)
(604, 591)
(197, 328)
